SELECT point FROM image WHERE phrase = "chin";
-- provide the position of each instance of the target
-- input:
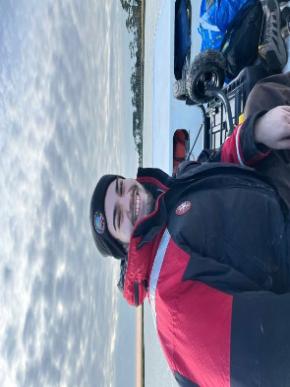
(147, 202)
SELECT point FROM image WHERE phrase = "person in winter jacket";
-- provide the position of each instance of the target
(209, 247)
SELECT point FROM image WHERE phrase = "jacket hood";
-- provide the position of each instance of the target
(145, 240)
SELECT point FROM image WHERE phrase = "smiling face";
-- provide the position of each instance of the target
(126, 202)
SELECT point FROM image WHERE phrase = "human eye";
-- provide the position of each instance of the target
(119, 219)
(121, 187)
(117, 186)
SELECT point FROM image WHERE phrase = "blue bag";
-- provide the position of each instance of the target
(215, 17)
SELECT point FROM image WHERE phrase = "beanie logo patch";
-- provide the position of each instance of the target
(99, 223)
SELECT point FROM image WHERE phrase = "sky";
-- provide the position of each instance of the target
(65, 118)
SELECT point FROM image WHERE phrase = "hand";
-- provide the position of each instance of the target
(273, 128)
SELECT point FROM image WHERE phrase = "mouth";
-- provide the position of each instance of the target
(135, 205)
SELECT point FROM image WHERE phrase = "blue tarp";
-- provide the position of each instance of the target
(215, 17)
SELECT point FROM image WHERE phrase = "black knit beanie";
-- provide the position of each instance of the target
(106, 244)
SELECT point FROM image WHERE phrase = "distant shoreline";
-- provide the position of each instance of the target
(135, 23)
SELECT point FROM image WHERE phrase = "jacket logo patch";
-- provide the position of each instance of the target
(183, 208)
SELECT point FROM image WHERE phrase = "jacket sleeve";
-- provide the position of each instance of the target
(216, 332)
(255, 327)
(240, 147)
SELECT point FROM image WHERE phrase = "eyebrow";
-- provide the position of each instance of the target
(115, 208)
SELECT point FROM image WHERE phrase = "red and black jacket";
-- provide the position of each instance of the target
(213, 258)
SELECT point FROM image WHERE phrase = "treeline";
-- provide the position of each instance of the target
(135, 24)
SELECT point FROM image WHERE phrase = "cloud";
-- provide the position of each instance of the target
(7, 274)
(29, 326)
(10, 343)
(60, 106)
(48, 192)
